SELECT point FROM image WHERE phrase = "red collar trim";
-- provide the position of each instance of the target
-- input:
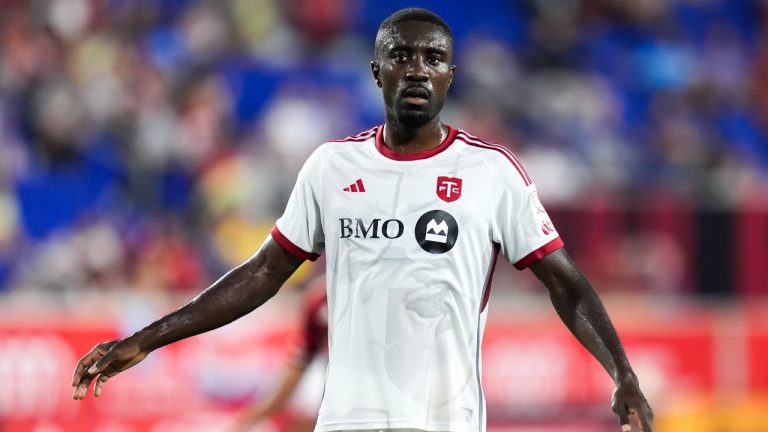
(390, 154)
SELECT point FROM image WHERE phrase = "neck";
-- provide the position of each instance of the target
(404, 140)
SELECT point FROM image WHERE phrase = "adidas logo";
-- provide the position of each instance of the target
(357, 186)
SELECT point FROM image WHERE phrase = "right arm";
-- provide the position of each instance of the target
(237, 293)
(277, 399)
(314, 335)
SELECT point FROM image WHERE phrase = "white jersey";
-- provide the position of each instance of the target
(411, 243)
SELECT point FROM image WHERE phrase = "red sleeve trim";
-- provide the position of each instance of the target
(539, 253)
(291, 247)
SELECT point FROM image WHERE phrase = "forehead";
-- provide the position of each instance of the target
(417, 34)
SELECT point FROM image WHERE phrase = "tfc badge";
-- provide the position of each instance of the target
(448, 188)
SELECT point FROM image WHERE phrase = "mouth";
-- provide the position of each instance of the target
(416, 95)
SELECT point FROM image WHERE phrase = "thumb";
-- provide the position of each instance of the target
(623, 413)
(102, 364)
(626, 426)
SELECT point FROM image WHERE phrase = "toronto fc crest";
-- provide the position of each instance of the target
(448, 188)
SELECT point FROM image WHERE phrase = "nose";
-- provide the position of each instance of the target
(417, 70)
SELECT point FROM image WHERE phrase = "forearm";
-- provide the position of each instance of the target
(235, 294)
(582, 311)
(277, 400)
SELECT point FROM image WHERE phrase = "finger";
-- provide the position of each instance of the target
(82, 388)
(79, 392)
(98, 388)
(645, 418)
(103, 377)
(86, 362)
(101, 364)
(623, 415)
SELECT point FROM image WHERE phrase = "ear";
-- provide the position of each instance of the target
(376, 70)
(452, 71)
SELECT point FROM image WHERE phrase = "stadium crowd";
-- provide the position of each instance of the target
(149, 145)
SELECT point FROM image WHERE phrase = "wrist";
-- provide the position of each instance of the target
(624, 376)
(145, 339)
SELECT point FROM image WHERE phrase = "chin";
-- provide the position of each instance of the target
(414, 119)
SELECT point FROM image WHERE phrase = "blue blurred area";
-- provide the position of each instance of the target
(185, 118)
(56, 194)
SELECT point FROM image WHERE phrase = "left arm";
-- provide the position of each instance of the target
(582, 311)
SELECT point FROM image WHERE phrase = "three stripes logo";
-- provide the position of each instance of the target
(357, 186)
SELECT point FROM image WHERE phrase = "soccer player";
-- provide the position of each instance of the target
(411, 216)
(313, 343)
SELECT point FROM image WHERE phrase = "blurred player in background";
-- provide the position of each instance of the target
(311, 351)
(411, 216)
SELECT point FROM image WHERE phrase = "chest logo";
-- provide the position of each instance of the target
(436, 231)
(448, 188)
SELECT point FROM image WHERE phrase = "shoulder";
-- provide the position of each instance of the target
(496, 155)
(357, 138)
(317, 161)
(348, 144)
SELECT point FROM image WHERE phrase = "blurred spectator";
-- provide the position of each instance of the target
(118, 117)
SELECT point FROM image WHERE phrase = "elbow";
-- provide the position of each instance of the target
(267, 282)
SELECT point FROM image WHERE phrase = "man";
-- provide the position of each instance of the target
(313, 342)
(411, 216)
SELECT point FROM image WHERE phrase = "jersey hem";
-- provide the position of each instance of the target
(291, 247)
(397, 424)
(539, 253)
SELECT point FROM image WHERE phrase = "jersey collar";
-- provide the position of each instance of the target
(390, 154)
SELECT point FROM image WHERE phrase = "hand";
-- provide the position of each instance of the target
(628, 401)
(103, 362)
(247, 419)
(239, 426)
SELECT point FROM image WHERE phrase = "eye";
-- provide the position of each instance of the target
(434, 60)
(400, 57)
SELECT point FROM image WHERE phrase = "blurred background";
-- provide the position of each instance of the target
(148, 146)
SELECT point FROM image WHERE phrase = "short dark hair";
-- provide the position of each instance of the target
(410, 14)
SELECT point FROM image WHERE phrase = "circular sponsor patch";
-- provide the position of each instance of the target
(436, 231)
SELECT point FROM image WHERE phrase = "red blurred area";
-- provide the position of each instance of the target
(536, 375)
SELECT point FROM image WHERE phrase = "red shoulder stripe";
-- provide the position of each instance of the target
(500, 147)
(362, 136)
(512, 160)
(506, 151)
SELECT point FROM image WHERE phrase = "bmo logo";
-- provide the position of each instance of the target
(375, 228)
(436, 231)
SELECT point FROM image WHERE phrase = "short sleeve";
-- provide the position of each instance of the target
(299, 230)
(521, 224)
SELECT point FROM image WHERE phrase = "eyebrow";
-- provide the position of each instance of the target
(436, 50)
